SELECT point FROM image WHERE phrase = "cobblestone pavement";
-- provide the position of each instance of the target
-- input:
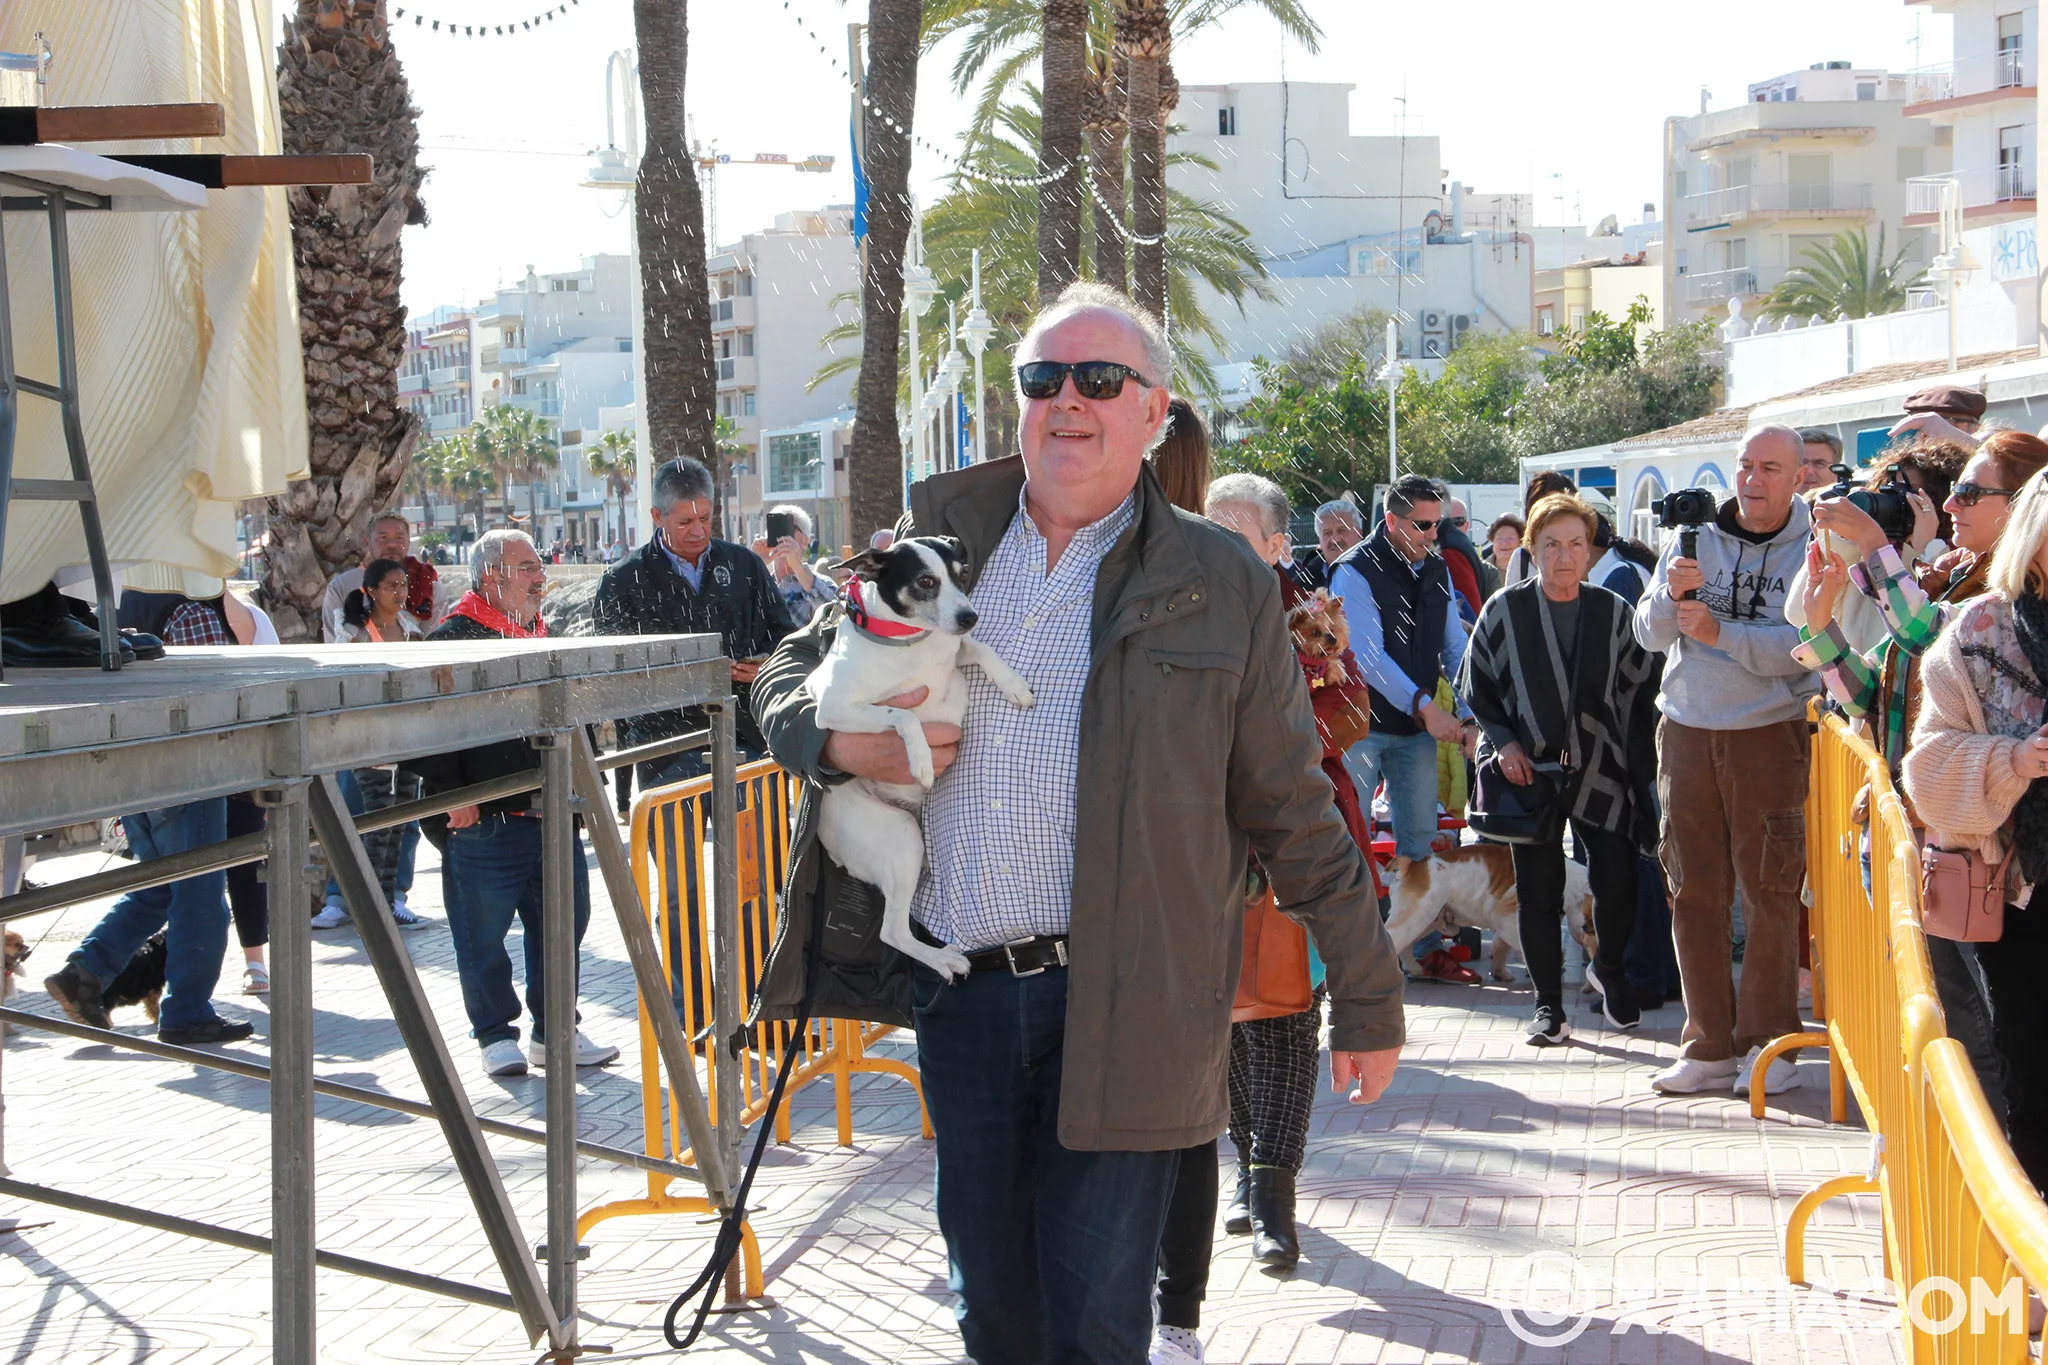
(1417, 1213)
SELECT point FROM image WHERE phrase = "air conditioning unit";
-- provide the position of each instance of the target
(1435, 347)
(1461, 323)
(1432, 320)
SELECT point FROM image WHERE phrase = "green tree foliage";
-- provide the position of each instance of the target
(1842, 277)
(1319, 425)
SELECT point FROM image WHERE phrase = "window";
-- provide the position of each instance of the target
(2014, 181)
(743, 284)
(1226, 121)
(1736, 252)
(1738, 171)
(1678, 185)
(746, 343)
(2011, 67)
(1682, 261)
(747, 403)
(1546, 320)
(1912, 162)
(1866, 90)
(626, 344)
(794, 464)
(1807, 181)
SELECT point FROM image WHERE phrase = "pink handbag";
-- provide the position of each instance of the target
(1961, 896)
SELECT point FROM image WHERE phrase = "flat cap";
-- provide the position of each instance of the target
(1947, 399)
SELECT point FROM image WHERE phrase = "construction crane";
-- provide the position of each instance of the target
(710, 160)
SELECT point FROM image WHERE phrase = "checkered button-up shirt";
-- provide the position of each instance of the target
(999, 825)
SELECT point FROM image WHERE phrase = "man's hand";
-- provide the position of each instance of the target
(1936, 427)
(1515, 765)
(788, 559)
(1369, 1071)
(743, 670)
(462, 817)
(1697, 620)
(882, 758)
(1441, 724)
(1468, 744)
(1682, 576)
(1851, 523)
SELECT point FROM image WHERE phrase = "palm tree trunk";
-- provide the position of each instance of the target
(1064, 76)
(1104, 119)
(682, 382)
(875, 472)
(341, 89)
(1145, 33)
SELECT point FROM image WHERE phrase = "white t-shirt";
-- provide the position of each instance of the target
(266, 633)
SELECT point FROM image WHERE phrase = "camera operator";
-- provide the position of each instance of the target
(1908, 485)
(1732, 760)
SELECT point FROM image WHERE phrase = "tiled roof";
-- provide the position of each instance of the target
(1729, 423)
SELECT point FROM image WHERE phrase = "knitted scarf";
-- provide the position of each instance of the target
(2030, 816)
(420, 578)
(490, 618)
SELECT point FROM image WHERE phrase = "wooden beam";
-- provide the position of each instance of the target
(24, 127)
(218, 172)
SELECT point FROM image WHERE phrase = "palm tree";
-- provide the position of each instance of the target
(1102, 116)
(340, 88)
(1144, 38)
(433, 467)
(470, 482)
(682, 381)
(874, 477)
(1063, 59)
(1842, 277)
(519, 448)
(611, 459)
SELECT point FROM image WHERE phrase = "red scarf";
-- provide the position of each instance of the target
(490, 618)
(420, 578)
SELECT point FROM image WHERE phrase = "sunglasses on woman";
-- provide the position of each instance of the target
(1967, 494)
(1095, 379)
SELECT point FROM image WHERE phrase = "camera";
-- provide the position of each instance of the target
(1890, 504)
(1687, 507)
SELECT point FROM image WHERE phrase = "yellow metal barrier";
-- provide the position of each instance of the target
(671, 866)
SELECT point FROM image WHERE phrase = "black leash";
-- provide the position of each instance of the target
(731, 1229)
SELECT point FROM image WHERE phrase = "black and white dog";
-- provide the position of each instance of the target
(906, 626)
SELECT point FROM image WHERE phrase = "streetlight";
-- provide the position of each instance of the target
(618, 168)
(952, 370)
(918, 289)
(976, 333)
(1391, 373)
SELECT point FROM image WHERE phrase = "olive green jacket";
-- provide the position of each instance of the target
(1198, 744)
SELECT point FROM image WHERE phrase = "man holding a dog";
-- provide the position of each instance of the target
(1732, 767)
(1088, 854)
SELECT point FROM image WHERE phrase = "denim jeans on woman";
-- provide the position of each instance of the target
(490, 874)
(193, 913)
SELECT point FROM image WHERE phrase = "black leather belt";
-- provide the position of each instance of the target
(1022, 957)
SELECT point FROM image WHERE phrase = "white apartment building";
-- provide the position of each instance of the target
(1810, 154)
(1985, 104)
(1347, 222)
(561, 345)
(774, 297)
(437, 375)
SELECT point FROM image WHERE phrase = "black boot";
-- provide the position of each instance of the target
(1272, 1205)
(1237, 1219)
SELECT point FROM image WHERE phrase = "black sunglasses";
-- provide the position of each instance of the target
(1967, 494)
(1418, 525)
(1096, 379)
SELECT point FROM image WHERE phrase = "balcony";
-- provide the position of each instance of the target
(412, 383)
(447, 423)
(1982, 79)
(1738, 203)
(506, 355)
(740, 371)
(2012, 182)
(448, 377)
(739, 311)
(2001, 192)
(1718, 286)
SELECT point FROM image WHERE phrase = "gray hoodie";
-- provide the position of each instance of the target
(1749, 678)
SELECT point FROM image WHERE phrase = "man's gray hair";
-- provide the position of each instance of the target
(1821, 436)
(1085, 296)
(1341, 509)
(799, 516)
(681, 480)
(1262, 495)
(489, 551)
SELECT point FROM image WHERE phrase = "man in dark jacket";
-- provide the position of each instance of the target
(683, 581)
(1087, 854)
(491, 859)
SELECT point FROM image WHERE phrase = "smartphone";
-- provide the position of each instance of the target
(781, 526)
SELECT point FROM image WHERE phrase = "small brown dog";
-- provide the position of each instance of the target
(1321, 635)
(17, 953)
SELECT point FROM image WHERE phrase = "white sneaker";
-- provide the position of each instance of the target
(1781, 1076)
(1174, 1346)
(332, 916)
(1689, 1076)
(587, 1052)
(503, 1058)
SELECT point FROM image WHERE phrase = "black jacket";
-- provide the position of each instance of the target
(446, 772)
(643, 595)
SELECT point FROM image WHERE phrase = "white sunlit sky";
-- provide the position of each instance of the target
(1560, 99)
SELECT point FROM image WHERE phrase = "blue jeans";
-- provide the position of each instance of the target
(1052, 1252)
(195, 911)
(1408, 765)
(489, 874)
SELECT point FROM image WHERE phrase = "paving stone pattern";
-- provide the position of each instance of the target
(1418, 1213)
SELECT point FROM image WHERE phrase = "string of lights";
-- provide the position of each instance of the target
(1118, 219)
(497, 30)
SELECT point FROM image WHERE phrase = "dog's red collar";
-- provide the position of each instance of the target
(858, 613)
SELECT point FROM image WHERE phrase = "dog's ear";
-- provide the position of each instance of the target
(867, 564)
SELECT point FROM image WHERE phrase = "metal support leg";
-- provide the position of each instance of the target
(74, 430)
(13, 862)
(10, 402)
(726, 985)
(292, 1315)
(558, 938)
(350, 864)
(676, 1056)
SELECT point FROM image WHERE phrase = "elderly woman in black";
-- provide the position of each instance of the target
(1558, 684)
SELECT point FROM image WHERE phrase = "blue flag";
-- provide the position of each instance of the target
(860, 186)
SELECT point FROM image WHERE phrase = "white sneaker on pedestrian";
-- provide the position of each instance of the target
(1689, 1076)
(1782, 1075)
(587, 1052)
(1174, 1346)
(405, 918)
(503, 1058)
(332, 916)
